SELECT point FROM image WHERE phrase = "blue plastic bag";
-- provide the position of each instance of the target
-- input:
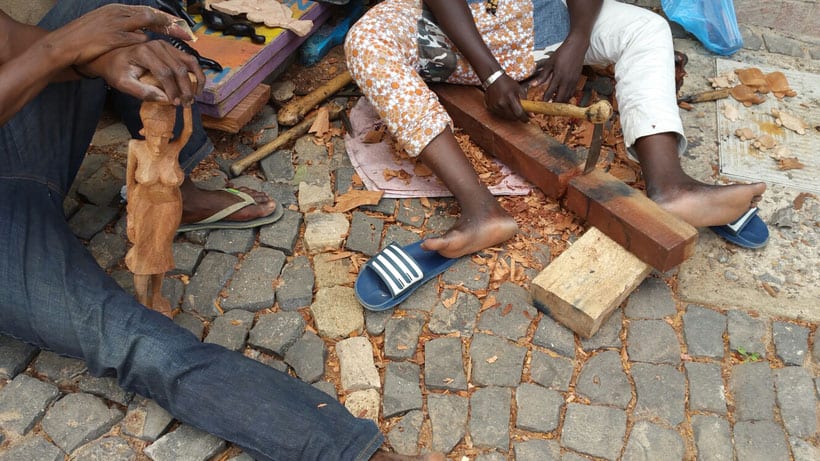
(713, 22)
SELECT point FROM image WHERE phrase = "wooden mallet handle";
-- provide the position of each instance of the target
(292, 112)
(598, 112)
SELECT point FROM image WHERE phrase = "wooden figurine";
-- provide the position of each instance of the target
(154, 205)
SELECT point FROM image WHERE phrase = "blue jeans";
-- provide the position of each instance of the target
(54, 295)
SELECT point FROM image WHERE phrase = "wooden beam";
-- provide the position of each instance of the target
(240, 115)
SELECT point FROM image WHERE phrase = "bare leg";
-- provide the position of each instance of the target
(384, 456)
(697, 203)
(198, 204)
(483, 222)
(158, 302)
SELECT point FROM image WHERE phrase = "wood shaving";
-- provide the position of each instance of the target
(355, 198)
(789, 164)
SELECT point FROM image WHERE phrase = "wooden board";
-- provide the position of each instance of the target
(582, 287)
(242, 113)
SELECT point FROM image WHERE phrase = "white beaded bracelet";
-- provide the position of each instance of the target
(491, 79)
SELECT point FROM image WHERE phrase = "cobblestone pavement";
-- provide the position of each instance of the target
(448, 371)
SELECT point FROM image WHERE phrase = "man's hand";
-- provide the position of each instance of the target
(503, 99)
(561, 70)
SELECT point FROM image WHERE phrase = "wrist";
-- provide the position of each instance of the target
(488, 82)
(83, 72)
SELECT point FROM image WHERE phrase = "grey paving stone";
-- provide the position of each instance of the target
(337, 312)
(262, 128)
(648, 441)
(660, 392)
(186, 257)
(376, 321)
(491, 456)
(173, 290)
(186, 443)
(448, 417)
(58, 369)
(105, 387)
(746, 333)
(791, 342)
(411, 212)
(608, 336)
(203, 289)
(551, 372)
(102, 187)
(198, 237)
(554, 336)
(513, 316)
(752, 388)
(397, 234)
(23, 401)
(401, 337)
(276, 332)
(281, 192)
(703, 332)
(470, 275)
(231, 241)
(537, 450)
(77, 419)
(814, 52)
(14, 356)
(325, 231)
(231, 329)
(706, 389)
(327, 387)
(402, 390)
(815, 349)
(311, 174)
(760, 441)
(459, 317)
(344, 179)
(296, 287)
(306, 151)
(282, 234)
(365, 234)
(307, 357)
(313, 197)
(278, 166)
(252, 286)
(34, 448)
(603, 380)
(357, 368)
(443, 367)
(804, 451)
(339, 157)
(490, 417)
(145, 420)
(593, 430)
(495, 361)
(751, 40)
(795, 392)
(652, 341)
(190, 323)
(570, 456)
(651, 300)
(423, 299)
(105, 449)
(330, 271)
(124, 279)
(385, 206)
(539, 409)
(404, 436)
(712, 438)
(779, 44)
(107, 249)
(70, 206)
(90, 219)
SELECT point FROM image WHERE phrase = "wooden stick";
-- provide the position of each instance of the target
(292, 112)
(598, 112)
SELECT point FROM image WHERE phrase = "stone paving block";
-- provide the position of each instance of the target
(603, 380)
(364, 404)
(652, 341)
(186, 443)
(145, 420)
(276, 332)
(231, 241)
(448, 417)
(491, 456)
(804, 451)
(105, 387)
(791, 342)
(343, 180)
(190, 323)
(107, 249)
(648, 441)
(173, 290)
(186, 257)
(490, 418)
(59, 369)
(651, 300)
(278, 166)
(105, 449)
(376, 321)
(706, 389)
(262, 128)
(14, 356)
(551, 372)
(402, 390)
(306, 151)
(404, 436)
(539, 409)
(124, 279)
(776, 43)
(703, 332)
(252, 286)
(311, 174)
(365, 234)
(423, 299)
(752, 388)
(660, 392)
(443, 366)
(712, 438)
(570, 456)
(325, 231)
(203, 289)
(34, 448)
(339, 157)
(795, 392)
(460, 316)
(70, 206)
(411, 212)
(468, 274)
(751, 40)
(747, 333)
(358, 370)
(91, 219)
(296, 287)
(231, 329)
(608, 336)
(337, 312)
(77, 419)
(314, 196)
(385, 206)
(23, 401)
(307, 357)
(397, 234)
(495, 361)
(537, 450)
(401, 337)
(554, 336)
(327, 387)
(513, 316)
(760, 441)
(198, 237)
(331, 271)
(102, 187)
(593, 430)
(281, 192)
(282, 234)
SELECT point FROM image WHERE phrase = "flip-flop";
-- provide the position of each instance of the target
(216, 220)
(748, 231)
(390, 276)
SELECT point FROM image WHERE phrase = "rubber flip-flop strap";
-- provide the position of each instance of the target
(247, 200)
(736, 227)
(397, 269)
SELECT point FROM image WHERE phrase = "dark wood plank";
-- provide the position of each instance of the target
(240, 115)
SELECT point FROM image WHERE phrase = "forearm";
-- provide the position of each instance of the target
(582, 16)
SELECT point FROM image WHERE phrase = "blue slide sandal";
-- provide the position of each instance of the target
(748, 231)
(390, 276)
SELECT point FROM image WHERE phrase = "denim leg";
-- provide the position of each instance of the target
(54, 295)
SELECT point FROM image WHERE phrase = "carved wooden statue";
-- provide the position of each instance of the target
(154, 200)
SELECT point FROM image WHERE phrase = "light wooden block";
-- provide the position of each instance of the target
(240, 115)
(582, 287)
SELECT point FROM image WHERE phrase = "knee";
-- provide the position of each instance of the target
(655, 29)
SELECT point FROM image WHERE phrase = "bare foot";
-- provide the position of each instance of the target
(473, 234)
(703, 205)
(198, 204)
(385, 456)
